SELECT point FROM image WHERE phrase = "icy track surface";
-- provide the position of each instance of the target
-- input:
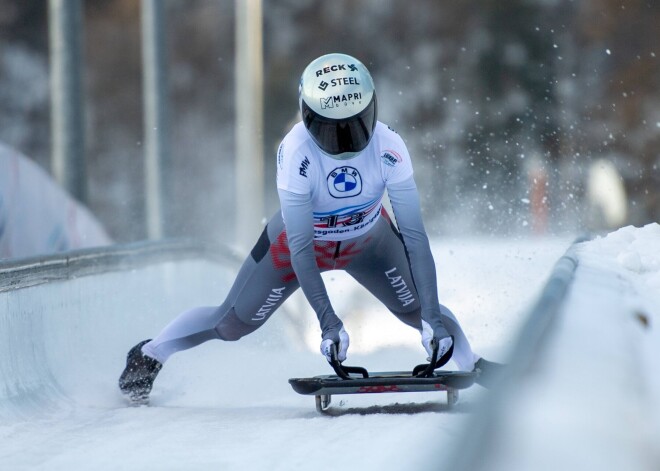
(228, 405)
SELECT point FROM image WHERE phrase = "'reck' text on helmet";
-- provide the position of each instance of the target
(336, 68)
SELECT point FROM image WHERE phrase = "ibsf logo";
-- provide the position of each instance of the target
(390, 158)
(344, 182)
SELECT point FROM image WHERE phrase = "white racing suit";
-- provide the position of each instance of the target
(331, 218)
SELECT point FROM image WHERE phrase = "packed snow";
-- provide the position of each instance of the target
(229, 405)
(593, 403)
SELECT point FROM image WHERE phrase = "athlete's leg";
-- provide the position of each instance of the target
(263, 283)
(384, 269)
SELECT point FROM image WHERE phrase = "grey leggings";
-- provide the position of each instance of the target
(377, 260)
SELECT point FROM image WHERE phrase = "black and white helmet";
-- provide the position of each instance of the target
(338, 104)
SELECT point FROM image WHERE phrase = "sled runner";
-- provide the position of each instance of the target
(357, 380)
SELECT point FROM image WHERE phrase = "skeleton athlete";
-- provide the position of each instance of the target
(333, 168)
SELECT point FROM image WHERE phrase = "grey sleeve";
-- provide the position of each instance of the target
(405, 203)
(299, 222)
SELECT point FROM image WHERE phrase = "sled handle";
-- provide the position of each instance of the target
(426, 370)
(344, 371)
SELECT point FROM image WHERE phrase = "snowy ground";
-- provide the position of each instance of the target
(229, 406)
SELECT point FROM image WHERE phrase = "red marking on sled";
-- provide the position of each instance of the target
(379, 389)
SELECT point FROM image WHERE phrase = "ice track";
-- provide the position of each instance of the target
(228, 405)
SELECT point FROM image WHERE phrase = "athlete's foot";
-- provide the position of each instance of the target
(488, 372)
(138, 377)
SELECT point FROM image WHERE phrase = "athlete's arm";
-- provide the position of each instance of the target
(298, 219)
(405, 203)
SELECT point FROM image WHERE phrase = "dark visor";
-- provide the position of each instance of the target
(336, 136)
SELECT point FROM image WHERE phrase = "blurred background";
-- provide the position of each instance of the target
(523, 117)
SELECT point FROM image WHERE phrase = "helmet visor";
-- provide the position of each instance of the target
(338, 136)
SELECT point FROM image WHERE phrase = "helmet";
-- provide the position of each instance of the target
(338, 105)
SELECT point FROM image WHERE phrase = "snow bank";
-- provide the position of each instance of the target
(592, 404)
(37, 217)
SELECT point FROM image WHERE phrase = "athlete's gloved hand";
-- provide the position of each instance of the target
(342, 348)
(443, 339)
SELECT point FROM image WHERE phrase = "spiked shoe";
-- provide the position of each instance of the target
(138, 377)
